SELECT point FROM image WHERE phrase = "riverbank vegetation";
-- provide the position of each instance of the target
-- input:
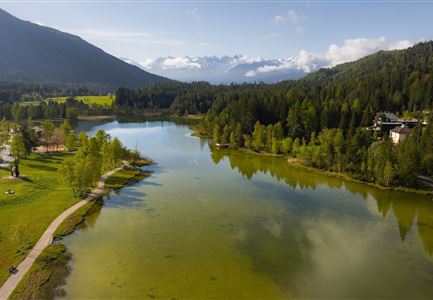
(361, 155)
(46, 274)
(95, 156)
(78, 217)
(125, 177)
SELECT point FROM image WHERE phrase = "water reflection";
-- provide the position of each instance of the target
(225, 224)
(410, 210)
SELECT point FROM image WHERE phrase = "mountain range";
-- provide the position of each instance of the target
(226, 69)
(34, 53)
(38, 54)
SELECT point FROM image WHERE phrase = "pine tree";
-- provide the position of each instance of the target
(17, 147)
(275, 146)
(232, 138)
(388, 173)
(70, 142)
(216, 134)
(47, 131)
(65, 129)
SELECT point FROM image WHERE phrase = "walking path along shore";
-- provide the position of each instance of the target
(46, 238)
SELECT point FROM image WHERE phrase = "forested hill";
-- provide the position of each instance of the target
(396, 80)
(33, 53)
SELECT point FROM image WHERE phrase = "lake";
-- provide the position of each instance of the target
(224, 224)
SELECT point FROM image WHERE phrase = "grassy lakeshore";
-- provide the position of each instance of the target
(125, 177)
(50, 268)
(47, 272)
(38, 199)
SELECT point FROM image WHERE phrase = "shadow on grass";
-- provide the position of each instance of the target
(42, 167)
(26, 179)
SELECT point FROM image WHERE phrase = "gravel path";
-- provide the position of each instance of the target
(47, 237)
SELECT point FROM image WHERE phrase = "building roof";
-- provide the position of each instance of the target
(391, 117)
(401, 130)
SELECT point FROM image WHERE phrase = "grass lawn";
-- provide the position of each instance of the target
(49, 269)
(90, 100)
(37, 201)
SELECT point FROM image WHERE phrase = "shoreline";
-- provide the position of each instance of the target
(13, 285)
(96, 118)
(297, 163)
(347, 177)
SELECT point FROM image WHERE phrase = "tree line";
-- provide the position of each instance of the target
(94, 156)
(19, 91)
(70, 109)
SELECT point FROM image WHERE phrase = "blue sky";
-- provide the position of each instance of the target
(141, 30)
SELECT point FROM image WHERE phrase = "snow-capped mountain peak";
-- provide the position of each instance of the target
(224, 69)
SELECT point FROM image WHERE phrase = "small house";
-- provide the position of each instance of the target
(384, 122)
(398, 134)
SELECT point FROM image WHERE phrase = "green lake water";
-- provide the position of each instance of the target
(222, 224)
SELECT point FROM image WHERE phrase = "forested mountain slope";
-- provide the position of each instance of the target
(33, 53)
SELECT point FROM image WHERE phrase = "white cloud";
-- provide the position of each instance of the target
(279, 19)
(285, 64)
(350, 50)
(147, 63)
(401, 45)
(194, 12)
(245, 59)
(180, 62)
(353, 49)
(294, 18)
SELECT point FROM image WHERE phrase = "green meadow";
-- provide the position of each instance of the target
(38, 200)
(106, 100)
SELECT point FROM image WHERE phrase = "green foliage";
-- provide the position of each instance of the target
(95, 155)
(18, 148)
(70, 141)
(106, 100)
(216, 134)
(45, 275)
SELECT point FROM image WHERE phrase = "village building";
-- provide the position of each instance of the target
(384, 122)
(398, 134)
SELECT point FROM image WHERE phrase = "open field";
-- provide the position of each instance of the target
(90, 100)
(37, 201)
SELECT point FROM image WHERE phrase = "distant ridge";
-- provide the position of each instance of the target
(33, 53)
(225, 69)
